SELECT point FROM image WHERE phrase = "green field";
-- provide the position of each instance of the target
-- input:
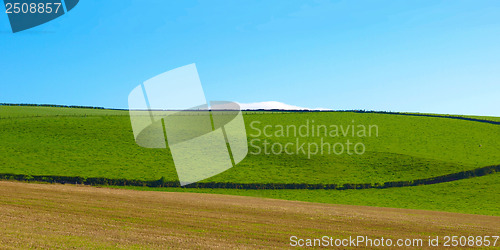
(472, 196)
(100, 143)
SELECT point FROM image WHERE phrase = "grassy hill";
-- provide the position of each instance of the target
(100, 143)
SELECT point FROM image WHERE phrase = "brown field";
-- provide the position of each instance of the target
(69, 216)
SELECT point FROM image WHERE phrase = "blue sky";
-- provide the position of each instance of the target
(423, 56)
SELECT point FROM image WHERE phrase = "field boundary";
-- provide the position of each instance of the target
(430, 115)
(162, 182)
(270, 111)
(375, 112)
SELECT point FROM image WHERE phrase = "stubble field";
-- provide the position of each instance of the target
(69, 216)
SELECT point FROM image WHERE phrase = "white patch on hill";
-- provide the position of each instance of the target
(273, 105)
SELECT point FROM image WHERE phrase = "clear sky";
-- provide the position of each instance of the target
(423, 56)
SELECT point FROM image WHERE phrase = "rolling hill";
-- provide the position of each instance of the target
(88, 143)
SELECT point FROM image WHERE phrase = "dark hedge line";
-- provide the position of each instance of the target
(49, 105)
(276, 111)
(228, 185)
(89, 181)
(375, 112)
(426, 181)
(427, 115)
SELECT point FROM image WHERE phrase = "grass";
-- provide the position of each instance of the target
(472, 196)
(100, 143)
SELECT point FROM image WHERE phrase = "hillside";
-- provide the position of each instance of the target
(56, 141)
(100, 143)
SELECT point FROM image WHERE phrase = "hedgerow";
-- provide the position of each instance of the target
(162, 182)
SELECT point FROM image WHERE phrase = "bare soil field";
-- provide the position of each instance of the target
(69, 216)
